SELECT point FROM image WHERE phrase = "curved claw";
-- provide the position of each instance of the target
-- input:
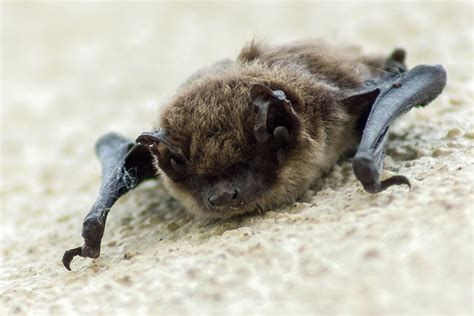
(367, 173)
(395, 180)
(69, 255)
(85, 251)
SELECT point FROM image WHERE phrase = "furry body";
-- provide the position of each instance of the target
(211, 119)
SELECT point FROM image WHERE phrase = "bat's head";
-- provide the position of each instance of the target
(234, 145)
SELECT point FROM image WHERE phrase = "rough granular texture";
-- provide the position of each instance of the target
(72, 72)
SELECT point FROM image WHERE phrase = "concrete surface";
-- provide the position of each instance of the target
(71, 72)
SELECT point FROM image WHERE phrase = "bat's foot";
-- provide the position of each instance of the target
(367, 173)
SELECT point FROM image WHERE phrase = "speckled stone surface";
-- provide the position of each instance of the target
(72, 72)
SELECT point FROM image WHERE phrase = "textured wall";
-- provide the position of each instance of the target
(71, 72)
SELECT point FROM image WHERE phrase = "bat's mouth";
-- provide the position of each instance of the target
(233, 210)
(239, 205)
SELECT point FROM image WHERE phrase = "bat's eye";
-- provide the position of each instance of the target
(177, 164)
(281, 136)
(174, 166)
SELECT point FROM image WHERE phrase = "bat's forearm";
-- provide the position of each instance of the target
(398, 95)
(124, 165)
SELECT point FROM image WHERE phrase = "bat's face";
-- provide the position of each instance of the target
(231, 147)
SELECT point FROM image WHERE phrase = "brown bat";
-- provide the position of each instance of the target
(253, 134)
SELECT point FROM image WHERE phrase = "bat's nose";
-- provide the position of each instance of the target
(222, 196)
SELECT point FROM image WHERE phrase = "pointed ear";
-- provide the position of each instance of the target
(148, 138)
(276, 118)
(170, 157)
(154, 139)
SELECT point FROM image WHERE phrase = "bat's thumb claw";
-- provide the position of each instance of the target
(69, 255)
(395, 180)
(367, 173)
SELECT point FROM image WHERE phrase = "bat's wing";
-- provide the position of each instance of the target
(124, 165)
(388, 97)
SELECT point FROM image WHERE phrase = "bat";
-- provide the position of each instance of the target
(254, 133)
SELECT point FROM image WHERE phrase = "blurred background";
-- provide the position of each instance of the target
(72, 71)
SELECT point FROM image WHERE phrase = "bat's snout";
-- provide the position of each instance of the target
(223, 193)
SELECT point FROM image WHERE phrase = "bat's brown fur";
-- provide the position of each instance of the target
(211, 118)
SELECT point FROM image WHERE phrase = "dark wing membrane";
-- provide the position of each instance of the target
(379, 102)
(124, 165)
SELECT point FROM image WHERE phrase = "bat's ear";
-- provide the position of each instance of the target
(276, 118)
(170, 157)
(149, 138)
(156, 138)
